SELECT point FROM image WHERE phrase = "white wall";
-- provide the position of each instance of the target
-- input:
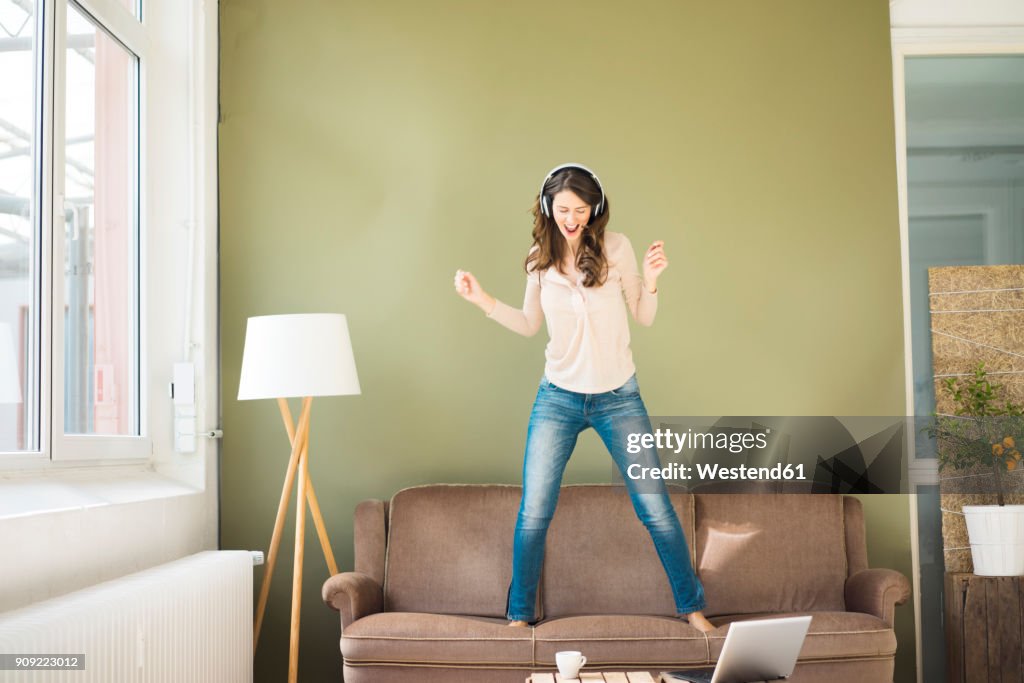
(66, 528)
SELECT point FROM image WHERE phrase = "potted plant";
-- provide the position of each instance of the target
(984, 434)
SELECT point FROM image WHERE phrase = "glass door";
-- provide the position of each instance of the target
(965, 206)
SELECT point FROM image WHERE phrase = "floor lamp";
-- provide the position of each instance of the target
(289, 356)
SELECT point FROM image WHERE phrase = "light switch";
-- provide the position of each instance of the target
(184, 384)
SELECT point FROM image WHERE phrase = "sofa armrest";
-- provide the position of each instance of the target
(353, 594)
(877, 592)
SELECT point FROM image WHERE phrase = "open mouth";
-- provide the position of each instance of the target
(571, 228)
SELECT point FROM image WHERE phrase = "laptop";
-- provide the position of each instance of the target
(761, 650)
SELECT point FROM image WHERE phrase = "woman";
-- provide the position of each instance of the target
(581, 278)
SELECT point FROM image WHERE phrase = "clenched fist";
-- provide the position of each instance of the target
(469, 289)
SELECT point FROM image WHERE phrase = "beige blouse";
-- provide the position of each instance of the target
(588, 351)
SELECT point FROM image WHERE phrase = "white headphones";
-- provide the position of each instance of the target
(545, 201)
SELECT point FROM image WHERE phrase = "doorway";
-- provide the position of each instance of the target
(960, 151)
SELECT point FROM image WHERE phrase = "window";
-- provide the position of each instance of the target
(19, 234)
(70, 231)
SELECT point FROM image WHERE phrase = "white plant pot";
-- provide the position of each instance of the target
(996, 535)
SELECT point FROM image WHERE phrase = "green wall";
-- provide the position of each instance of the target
(368, 150)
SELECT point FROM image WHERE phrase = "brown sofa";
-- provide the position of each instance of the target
(426, 601)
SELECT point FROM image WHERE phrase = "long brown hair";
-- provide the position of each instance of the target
(550, 246)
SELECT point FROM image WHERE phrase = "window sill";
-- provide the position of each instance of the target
(52, 492)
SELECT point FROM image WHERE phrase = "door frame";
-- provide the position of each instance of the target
(916, 42)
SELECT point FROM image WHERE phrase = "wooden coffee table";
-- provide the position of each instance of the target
(595, 677)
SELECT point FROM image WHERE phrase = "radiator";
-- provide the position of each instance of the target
(186, 621)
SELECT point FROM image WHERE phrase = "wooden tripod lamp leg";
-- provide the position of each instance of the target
(321, 530)
(314, 506)
(300, 546)
(298, 463)
(282, 511)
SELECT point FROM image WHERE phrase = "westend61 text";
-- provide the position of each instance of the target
(666, 439)
(714, 472)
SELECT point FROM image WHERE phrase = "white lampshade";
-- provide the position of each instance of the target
(297, 355)
(10, 384)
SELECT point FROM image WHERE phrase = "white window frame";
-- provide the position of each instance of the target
(55, 448)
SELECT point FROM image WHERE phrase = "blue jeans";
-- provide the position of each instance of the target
(557, 419)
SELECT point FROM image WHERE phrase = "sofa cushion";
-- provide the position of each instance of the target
(622, 641)
(832, 635)
(435, 639)
(779, 553)
(450, 549)
(601, 560)
(609, 641)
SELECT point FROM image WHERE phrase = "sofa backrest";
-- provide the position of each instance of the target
(774, 553)
(599, 558)
(449, 549)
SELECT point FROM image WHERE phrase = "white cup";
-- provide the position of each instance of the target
(569, 663)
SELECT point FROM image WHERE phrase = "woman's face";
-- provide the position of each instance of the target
(570, 213)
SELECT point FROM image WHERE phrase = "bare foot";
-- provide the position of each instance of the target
(700, 622)
(517, 623)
